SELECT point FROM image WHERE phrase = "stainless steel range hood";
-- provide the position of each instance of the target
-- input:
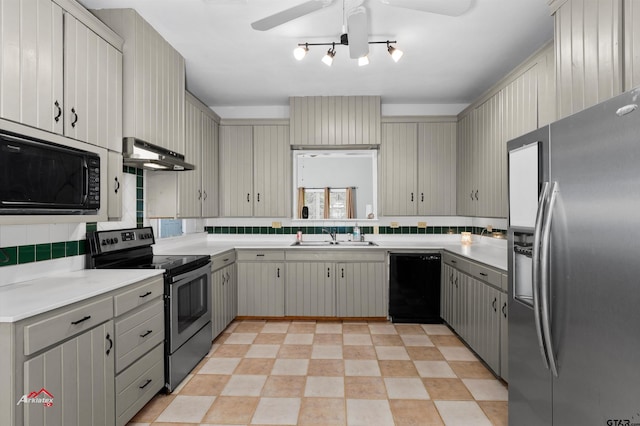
(141, 154)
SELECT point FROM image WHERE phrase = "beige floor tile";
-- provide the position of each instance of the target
(295, 351)
(284, 386)
(173, 424)
(220, 366)
(138, 424)
(436, 329)
(277, 411)
(263, 351)
(322, 412)
(355, 328)
(326, 367)
(231, 351)
(446, 341)
(249, 326)
(270, 339)
(392, 353)
(290, 367)
(298, 338)
(457, 353)
(354, 367)
(496, 411)
(232, 326)
(327, 339)
(255, 366)
(382, 328)
(214, 347)
(302, 328)
(424, 353)
(244, 385)
(486, 390)
(386, 340)
(241, 339)
(152, 410)
(232, 410)
(186, 409)
(405, 388)
(326, 352)
(276, 327)
(462, 413)
(363, 412)
(470, 370)
(364, 388)
(197, 368)
(409, 329)
(447, 389)
(359, 352)
(439, 369)
(416, 340)
(222, 338)
(357, 339)
(328, 328)
(205, 385)
(415, 413)
(329, 387)
(398, 369)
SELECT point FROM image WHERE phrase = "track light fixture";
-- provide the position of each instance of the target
(303, 48)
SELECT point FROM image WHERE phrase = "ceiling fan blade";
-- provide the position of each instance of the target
(289, 14)
(441, 7)
(358, 33)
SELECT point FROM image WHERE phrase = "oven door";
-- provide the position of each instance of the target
(189, 305)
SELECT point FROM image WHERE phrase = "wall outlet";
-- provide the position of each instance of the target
(376, 229)
(394, 225)
(422, 225)
(276, 225)
(489, 228)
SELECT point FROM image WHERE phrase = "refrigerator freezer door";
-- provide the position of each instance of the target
(594, 271)
(523, 185)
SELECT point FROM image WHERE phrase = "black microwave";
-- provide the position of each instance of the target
(40, 177)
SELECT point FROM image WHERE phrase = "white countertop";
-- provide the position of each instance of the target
(26, 299)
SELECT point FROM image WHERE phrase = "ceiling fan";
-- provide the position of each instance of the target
(356, 31)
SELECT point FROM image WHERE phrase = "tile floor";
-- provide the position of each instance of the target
(333, 373)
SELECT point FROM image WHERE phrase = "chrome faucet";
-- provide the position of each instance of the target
(331, 232)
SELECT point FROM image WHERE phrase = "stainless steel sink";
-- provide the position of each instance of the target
(334, 244)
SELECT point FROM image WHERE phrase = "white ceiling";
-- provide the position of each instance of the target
(447, 60)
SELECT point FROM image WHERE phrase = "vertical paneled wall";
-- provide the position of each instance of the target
(631, 44)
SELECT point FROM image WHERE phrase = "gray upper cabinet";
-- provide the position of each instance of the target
(631, 44)
(255, 171)
(153, 81)
(190, 182)
(114, 185)
(210, 168)
(418, 168)
(335, 120)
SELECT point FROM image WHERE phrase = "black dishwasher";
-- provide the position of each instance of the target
(414, 288)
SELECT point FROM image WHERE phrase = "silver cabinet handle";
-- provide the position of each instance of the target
(535, 278)
(544, 278)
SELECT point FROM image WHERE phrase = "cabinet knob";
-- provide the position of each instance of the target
(58, 112)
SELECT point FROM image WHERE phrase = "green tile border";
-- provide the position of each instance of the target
(19, 255)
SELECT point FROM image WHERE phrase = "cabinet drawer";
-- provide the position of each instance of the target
(485, 274)
(222, 260)
(57, 327)
(336, 255)
(456, 262)
(137, 333)
(260, 255)
(141, 294)
(138, 384)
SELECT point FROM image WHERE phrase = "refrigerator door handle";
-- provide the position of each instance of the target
(535, 270)
(544, 279)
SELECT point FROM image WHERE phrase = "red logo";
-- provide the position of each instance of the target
(42, 396)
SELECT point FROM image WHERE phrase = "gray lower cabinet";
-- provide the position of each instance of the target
(261, 277)
(224, 292)
(504, 336)
(78, 375)
(361, 289)
(310, 289)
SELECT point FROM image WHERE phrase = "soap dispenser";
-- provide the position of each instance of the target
(356, 233)
(299, 235)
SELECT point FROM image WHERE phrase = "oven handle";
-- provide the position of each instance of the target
(192, 274)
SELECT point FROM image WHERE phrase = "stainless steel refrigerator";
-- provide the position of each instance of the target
(574, 269)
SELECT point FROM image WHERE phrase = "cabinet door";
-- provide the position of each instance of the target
(399, 169)
(92, 79)
(261, 289)
(436, 169)
(504, 336)
(361, 290)
(467, 165)
(80, 375)
(486, 308)
(210, 168)
(310, 289)
(231, 293)
(217, 303)
(489, 162)
(236, 171)
(114, 186)
(31, 52)
(189, 182)
(271, 171)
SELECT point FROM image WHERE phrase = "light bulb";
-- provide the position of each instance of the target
(363, 60)
(300, 52)
(328, 58)
(396, 54)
